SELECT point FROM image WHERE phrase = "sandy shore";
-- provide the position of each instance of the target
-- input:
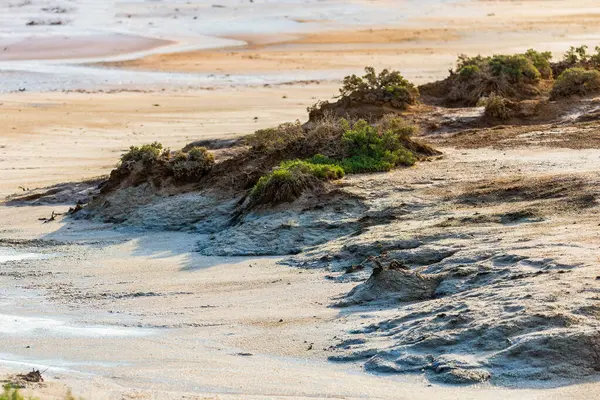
(118, 313)
(55, 137)
(124, 314)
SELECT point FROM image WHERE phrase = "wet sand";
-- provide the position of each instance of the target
(105, 321)
(171, 44)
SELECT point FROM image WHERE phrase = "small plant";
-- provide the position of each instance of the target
(541, 61)
(385, 87)
(497, 107)
(288, 181)
(516, 75)
(192, 165)
(373, 150)
(469, 71)
(576, 81)
(145, 153)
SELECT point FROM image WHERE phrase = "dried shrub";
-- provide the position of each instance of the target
(192, 165)
(497, 107)
(276, 139)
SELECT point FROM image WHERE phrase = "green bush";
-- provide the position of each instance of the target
(541, 61)
(510, 76)
(576, 55)
(145, 153)
(516, 68)
(576, 81)
(192, 165)
(371, 150)
(288, 181)
(385, 87)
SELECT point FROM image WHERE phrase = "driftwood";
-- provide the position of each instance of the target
(52, 217)
(34, 376)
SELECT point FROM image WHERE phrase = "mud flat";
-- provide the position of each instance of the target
(188, 46)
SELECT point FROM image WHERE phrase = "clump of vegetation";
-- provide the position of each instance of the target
(288, 181)
(294, 140)
(191, 165)
(541, 61)
(497, 107)
(510, 76)
(372, 149)
(152, 163)
(388, 88)
(577, 57)
(361, 147)
(576, 81)
(276, 139)
(146, 153)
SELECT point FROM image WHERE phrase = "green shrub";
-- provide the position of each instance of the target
(510, 76)
(516, 68)
(288, 181)
(497, 107)
(385, 87)
(371, 150)
(145, 153)
(541, 61)
(576, 81)
(192, 165)
(358, 148)
(464, 61)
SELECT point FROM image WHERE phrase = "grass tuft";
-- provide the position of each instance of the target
(288, 181)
